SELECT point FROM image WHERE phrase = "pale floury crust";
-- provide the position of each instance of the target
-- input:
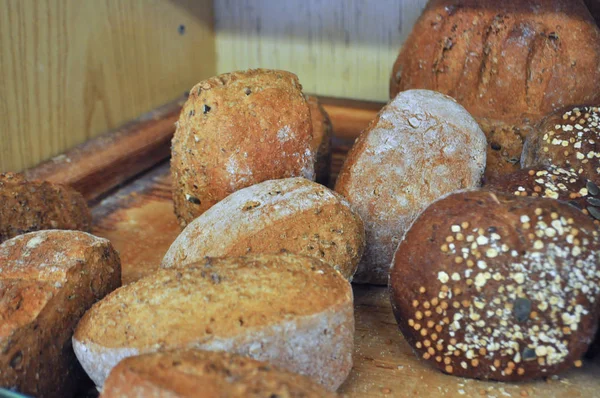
(421, 146)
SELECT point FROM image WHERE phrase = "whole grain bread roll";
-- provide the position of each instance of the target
(48, 279)
(567, 138)
(205, 374)
(421, 146)
(291, 215)
(509, 63)
(293, 311)
(321, 143)
(235, 130)
(27, 206)
(496, 286)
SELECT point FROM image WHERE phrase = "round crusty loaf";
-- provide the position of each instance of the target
(292, 215)
(322, 131)
(509, 63)
(236, 130)
(567, 138)
(293, 311)
(204, 374)
(421, 146)
(496, 286)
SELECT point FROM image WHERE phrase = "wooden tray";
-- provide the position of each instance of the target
(138, 218)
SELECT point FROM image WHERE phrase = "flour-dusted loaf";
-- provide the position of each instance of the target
(292, 215)
(322, 132)
(293, 311)
(421, 146)
(48, 279)
(235, 130)
(509, 63)
(27, 206)
(498, 286)
(205, 374)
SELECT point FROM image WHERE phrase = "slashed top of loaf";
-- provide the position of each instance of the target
(215, 298)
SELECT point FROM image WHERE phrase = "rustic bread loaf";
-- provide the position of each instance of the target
(567, 138)
(293, 311)
(204, 374)
(321, 143)
(421, 146)
(509, 63)
(48, 279)
(292, 215)
(236, 130)
(27, 206)
(498, 286)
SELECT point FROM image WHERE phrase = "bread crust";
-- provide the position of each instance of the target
(291, 215)
(321, 143)
(421, 146)
(496, 286)
(48, 279)
(296, 313)
(27, 206)
(236, 130)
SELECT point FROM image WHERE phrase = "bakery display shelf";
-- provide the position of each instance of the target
(125, 176)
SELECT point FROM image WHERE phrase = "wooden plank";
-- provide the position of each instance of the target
(73, 69)
(341, 48)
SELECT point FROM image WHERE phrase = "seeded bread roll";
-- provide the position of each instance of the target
(236, 130)
(567, 138)
(293, 311)
(204, 374)
(421, 146)
(509, 63)
(48, 279)
(322, 131)
(27, 206)
(496, 286)
(290, 215)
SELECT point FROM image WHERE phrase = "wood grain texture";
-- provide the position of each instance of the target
(341, 48)
(70, 69)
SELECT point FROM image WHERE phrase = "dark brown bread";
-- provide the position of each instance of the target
(496, 286)
(509, 63)
(27, 206)
(205, 374)
(48, 279)
(236, 130)
(322, 131)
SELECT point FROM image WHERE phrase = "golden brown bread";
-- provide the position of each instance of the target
(235, 130)
(27, 206)
(498, 286)
(205, 374)
(509, 63)
(48, 279)
(322, 132)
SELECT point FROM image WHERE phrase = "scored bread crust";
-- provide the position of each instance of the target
(27, 206)
(196, 373)
(235, 130)
(321, 143)
(495, 286)
(421, 146)
(509, 63)
(48, 279)
(292, 215)
(293, 311)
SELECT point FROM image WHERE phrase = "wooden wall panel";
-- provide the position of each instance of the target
(71, 69)
(342, 48)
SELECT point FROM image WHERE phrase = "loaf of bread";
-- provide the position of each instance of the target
(236, 130)
(509, 63)
(48, 279)
(292, 215)
(205, 374)
(322, 132)
(293, 311)
(496, 286)
(421, 146)
(27, 206)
